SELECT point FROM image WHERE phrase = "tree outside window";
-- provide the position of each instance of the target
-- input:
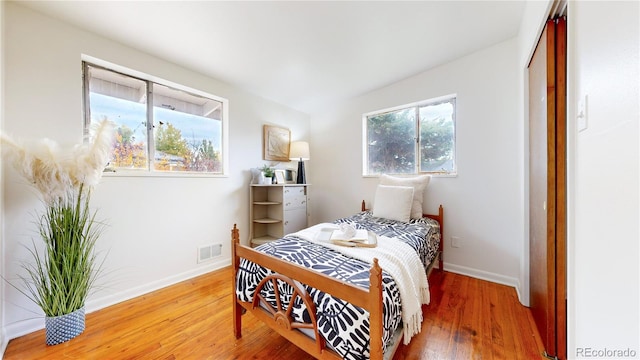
(418, 138)
(182, 133)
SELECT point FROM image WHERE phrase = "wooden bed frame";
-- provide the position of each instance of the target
(279, 317)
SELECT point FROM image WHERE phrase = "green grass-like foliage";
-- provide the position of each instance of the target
(59, 279)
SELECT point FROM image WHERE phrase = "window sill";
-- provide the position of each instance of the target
(144, 173)
(410, 175)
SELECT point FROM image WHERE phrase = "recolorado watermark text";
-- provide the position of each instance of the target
(600, 353)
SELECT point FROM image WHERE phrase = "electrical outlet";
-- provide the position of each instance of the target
(455, 242)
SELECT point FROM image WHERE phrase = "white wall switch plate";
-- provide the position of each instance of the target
(581, 115)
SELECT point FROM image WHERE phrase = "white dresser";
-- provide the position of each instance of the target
(276, 210)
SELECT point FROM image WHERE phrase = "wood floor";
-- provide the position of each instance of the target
(467, 319)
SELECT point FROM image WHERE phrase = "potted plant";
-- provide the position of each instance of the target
(268, 173)
(60, 277)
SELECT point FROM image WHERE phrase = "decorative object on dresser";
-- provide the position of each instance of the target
(267, 175)
(290, 176)
(299, 150)
(276, 143)
(276, 210)
(257, 177)
(279, 175)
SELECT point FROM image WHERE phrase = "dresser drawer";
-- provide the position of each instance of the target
(295, 220)
(297, 202)
(294, 191)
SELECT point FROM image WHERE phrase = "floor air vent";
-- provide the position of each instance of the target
(209, 251)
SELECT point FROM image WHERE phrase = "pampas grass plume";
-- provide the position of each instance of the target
(56, 172)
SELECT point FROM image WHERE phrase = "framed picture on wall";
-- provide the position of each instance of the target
(276, 143)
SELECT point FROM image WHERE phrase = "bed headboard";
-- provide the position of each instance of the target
(437, 217)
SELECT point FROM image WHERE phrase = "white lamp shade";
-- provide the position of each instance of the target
(299, 150)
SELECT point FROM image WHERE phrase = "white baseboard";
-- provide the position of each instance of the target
(23, 327)
(103, 302)
(521, 297)
(28, 326)
(3, 343)
(485, 275)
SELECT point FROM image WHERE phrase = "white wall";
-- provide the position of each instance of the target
(603, 304)
(483, 203)
(155, 223)
(3, 338)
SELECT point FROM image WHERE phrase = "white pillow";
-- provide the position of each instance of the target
(393, 202)
(419, 183)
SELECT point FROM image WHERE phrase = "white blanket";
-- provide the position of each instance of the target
(400, 261)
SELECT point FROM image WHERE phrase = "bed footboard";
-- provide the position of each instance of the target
(280, 319)
(280, 313)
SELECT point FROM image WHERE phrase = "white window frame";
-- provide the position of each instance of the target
(150, 171)
(416, 105)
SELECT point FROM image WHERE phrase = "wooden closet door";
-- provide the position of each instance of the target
(547, 187)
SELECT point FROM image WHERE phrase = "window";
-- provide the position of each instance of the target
(411, 139)
(159, 128)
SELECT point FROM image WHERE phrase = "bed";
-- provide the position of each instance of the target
(337, 302)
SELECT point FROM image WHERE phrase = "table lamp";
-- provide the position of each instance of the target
(299, 150)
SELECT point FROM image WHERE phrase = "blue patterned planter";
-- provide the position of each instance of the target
(65, 327)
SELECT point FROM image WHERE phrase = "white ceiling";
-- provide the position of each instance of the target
(302, 54)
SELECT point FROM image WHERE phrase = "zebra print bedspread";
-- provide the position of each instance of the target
(344, 326)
